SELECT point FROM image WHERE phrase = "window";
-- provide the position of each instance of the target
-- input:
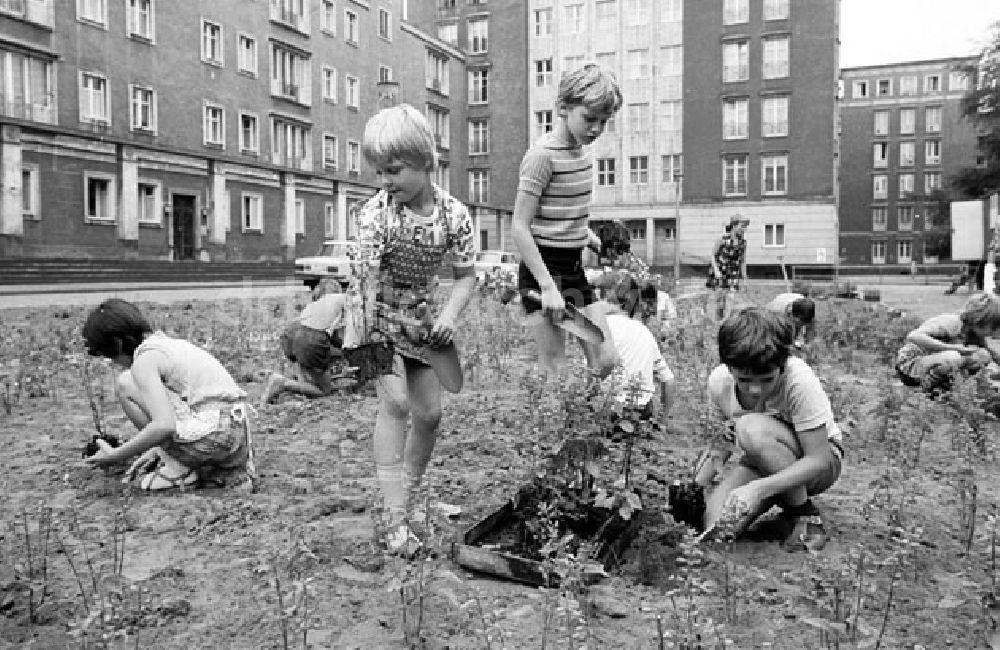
(636, 12)
(775, 9)
(211, 42)
(775, 57)
(905, 185)
(290, 74)
(932, 83)
(638, 170)
(932, 182)
(436, 72)
(439, 121)
(904, 217)
(479, 137)
(932, 119)
(735, 11)
(479, 83)
(479, 185)
(99, 198)
(572, 62)
(639, 118)
(290, 144)
(249, 134)
(880, 157)
(149, 202)
(670, 166)
(351, 91)
(878, 252)
(329, 84)
(774, 175)
(734, 175)
(30, 192)
(351, 27)
(671, 61)
(140, 18)
(607, 60)
(574, 19)
(605, 172)
(543, 73)
(774, 116)
(329, 219)
(300, 217)
(94, 102)
(385, 24)
(442, 176)
(543, 122)
(607, 16)
(384, 73)
(904, 251)
(860, 89)
(958, 81)
(328, 17)
(736, 61)
(907, 121)
(880, 218)
(881, 123)
(670, 117)
(248, 54)
(880, 186)
(291, 13)
(774, 235)
(932, 152)
(734, 118)
(353, 157)
(907, 85)
(448, 33)
(478, 35)
(906, 154)
(329, 151)
(543, 22)
(143, 109)
(214, 129)
(638, 64)
(252, 212)
(670, 10)
(637, 232)
(92, 11)
(884, 87)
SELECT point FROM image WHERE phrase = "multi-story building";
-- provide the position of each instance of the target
(227, 130)
(728, 108)
(902, 137)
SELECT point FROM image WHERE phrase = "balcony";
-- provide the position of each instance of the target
(43, 111)
(39, 12)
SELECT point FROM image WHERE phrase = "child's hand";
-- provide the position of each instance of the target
(553, 304)
(105, 454)
(142, 464)
(442, 332)
(748, 494)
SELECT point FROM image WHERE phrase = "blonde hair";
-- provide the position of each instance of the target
(981, 309)
(400, 133)
(591, 86)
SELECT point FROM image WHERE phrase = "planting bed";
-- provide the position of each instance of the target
(86, 561)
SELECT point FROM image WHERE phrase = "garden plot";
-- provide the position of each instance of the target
(89, 562)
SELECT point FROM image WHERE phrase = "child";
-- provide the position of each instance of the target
(191, 415)
(792, 447)
(404, 232)
(550, 222)
(728, 264)
(800, 309)
(310, 342)
(946, 344)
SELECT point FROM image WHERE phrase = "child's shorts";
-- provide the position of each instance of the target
(566, 268)
(310, 348)
(224, 448)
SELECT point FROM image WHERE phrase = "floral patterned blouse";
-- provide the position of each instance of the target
(409, 250)
(729, 259)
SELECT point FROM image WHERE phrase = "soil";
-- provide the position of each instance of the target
(86, 561)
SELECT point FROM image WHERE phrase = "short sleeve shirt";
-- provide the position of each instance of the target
(560, 174)
(640, 357)
(326, 314)
(946, 328)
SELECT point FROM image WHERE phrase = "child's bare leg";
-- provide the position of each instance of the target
(131, 400)
(549, 341)
(311, 383)
(740, 475)
(770, 446)
(425, 409)
(389, 440)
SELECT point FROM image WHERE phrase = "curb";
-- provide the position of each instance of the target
(36, 289)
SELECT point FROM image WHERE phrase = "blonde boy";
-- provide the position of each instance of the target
(551, 211)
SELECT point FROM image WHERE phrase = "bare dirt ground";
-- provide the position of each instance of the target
(88, 562)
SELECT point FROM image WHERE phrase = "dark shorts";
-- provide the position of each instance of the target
(308, 347)
(566, 269)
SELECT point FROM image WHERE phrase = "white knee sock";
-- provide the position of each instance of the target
(390, 481)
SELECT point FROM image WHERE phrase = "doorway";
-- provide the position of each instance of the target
(183, 229)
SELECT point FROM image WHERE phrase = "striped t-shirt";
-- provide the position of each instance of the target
(560, 175)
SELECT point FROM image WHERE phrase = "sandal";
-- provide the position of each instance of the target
(156, 481)
(808, 534)
(401, 540)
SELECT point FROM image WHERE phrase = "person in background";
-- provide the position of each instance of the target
(800, 309)
(728, 264)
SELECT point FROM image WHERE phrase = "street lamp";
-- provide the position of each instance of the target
(678, 179)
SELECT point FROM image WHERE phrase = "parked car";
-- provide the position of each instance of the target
(332, 261)
(487, 261)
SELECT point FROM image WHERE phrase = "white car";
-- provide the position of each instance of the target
(332, 261)
(487, 261)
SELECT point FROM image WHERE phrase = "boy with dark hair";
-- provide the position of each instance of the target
(801, 309)
(783, 423)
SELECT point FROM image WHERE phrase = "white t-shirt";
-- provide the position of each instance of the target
(783, 301)
(665, 308)
(640, 358)
(326, 314)
(798, 399)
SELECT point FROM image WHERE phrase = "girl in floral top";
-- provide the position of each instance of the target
(404, 233)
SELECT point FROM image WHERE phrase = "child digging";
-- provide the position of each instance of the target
(551, 210)
(792, 447)
(404, 232)
(191, 415)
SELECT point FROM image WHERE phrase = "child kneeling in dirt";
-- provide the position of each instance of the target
(190, 413)
(950, 343)
(783, 423)
(802, 311)
(312, 342)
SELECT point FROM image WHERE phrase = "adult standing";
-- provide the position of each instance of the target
(729, 261)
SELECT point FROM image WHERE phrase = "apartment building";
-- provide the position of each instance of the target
(902, 137)
(729, 108)
(224, 130)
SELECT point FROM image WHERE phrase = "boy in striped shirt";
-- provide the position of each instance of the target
(550, 224)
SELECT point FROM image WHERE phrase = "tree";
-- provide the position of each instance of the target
(981, 106)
